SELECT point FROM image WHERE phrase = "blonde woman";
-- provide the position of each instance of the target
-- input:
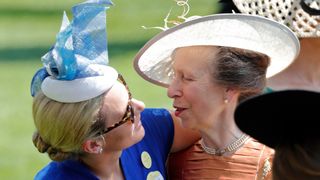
(85, 117)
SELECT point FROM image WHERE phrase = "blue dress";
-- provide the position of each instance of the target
(159, 131)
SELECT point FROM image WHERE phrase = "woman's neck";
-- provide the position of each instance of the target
(220, 138)
(105, 166)
(223, 132)
(304, 72)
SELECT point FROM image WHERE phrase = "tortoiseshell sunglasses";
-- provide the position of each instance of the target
(128, 115)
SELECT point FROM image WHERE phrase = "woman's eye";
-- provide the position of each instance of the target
(187, 78)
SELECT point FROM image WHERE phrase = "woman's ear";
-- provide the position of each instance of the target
(94, 146)
(231, 94)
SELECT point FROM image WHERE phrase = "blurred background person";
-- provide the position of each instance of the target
(292, 131)
(303, 18)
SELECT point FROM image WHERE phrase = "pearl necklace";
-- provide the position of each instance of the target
(231, 147)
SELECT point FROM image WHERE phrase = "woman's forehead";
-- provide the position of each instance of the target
(115, 100)
(199, 52)
(194, 57)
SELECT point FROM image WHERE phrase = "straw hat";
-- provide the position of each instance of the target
(76, 67)
(302, 16)
(280, 118)
(153, 62)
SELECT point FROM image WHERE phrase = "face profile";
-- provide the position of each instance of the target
(124, 130)
(195, 94)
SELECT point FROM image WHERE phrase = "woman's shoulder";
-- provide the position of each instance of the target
(255, 147)
(265, 159)
(69, 169)
(155, 112)
(156, 117)
(46, 172)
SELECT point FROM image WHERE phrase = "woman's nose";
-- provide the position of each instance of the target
(137, 105)
(173, 90)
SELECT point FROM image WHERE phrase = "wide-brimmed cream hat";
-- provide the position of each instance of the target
(153, 62)
(302, 16)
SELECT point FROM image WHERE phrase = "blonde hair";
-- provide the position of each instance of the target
(63, 127)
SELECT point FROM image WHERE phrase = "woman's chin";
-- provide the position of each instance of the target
(187, 124)
(138, 134)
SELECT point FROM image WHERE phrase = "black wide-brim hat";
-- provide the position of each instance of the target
(281, 118)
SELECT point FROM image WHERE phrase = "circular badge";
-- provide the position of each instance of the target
(146, 159)
(155, 175)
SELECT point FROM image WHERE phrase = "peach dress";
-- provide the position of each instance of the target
(251, 162)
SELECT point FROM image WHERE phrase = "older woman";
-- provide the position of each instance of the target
(208, 84)
(85, 118)
(209, 65)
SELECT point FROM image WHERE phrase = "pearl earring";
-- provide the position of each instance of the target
(226, 101)
(100, 151)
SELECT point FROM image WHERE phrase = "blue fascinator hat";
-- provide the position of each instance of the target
(76, 67)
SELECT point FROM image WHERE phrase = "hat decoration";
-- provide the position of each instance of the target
(302, 16)
(280, 118)
(76, 67)
(168, 23)
(153, 61)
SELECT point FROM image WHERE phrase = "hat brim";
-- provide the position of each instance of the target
(153, 62)
(280, 118)
(81, 89)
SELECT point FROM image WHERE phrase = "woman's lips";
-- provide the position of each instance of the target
(178, 111)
